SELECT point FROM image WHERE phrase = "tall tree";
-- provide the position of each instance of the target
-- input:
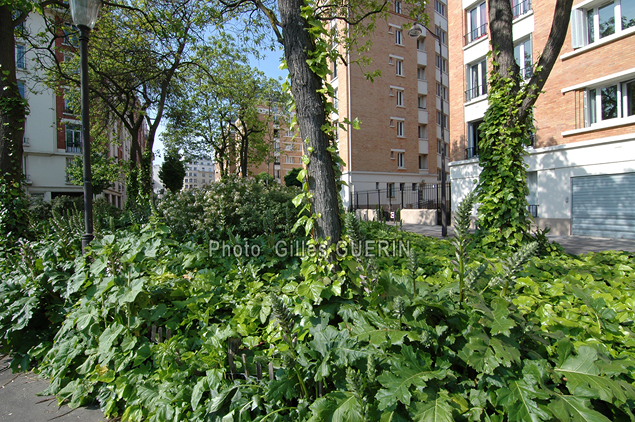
(136, 52)
(508, 124)
(172, 171)
(215, 109)
(300, 26)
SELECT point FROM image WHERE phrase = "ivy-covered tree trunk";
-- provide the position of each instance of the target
(311, 116)
(12, 106)
(503, 216)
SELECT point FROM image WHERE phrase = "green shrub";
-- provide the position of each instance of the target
(63, 204)
(246, 208)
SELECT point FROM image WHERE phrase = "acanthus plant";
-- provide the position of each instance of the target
(346, 341)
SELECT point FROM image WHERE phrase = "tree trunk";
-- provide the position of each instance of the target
(12, 107)
(311, 116)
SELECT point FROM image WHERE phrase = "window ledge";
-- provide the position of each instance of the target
(400, 168)
(600, 43)
(401, 106)
(401, 137)
(476, 42)
(523, 17)
(607, 124)
(475, 100)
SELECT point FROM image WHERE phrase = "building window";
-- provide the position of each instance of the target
(421, 73)
(520, 7)
(473, 136)
(476, 23)
(421, 44)
(523, 56)
(445, 120)
(334, 69)
(400, 129)
(397, 6)
(423, 132)
(289, 160)
(401, 162)
(399, 67)
(22, 89)
(439, 7)
(443, 36)
(442, 91)
(610, 102)
(423, 162)
(442, 64)
(400, 98)
(276, 146)
(593, 24)
(336, 102)
(20, 56)
(68, 108)
(276, 133)
(422, 102)
(476, 80)
(390, 190)
(398, 37)
(73, 138)
(69, 163)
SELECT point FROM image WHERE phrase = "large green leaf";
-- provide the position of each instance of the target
(518, 400)
(436, 409)
(406, 370)
(584, 379)
(575, 409)
(338, 406)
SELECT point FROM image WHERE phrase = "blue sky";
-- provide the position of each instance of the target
(269, 65)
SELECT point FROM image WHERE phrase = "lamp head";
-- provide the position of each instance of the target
(84, 12)
(415, 31)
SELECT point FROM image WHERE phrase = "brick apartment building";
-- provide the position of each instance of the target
(52, 137)
(581, 168)
(399, 144)
(285, 145)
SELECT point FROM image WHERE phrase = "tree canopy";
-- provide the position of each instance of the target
(172, 171)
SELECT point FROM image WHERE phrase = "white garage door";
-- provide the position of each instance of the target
(603, 206)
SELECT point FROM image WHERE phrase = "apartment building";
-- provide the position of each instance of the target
(581, 167)
(199, 173)
(399, 145)
(53, 136)
(285, 145)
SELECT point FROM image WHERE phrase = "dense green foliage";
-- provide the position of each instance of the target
(291, 179)
(503, 214)
(245, 208)
(172, 171)
(371, 336)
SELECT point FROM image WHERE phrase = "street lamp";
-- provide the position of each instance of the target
(84, 13)
(414, 32)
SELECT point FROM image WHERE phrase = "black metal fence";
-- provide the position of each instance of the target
(402, 197)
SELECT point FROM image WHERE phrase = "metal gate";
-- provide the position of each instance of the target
(603, 206)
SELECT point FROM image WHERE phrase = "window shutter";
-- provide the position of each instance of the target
(577, 28)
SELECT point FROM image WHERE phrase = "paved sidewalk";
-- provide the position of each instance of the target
(19, 401)
(574, 245)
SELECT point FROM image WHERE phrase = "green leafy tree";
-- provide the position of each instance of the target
(172, 171)
(312, 35)
(215, 109)
(291, 179)
(105, 169)
(137, 51)
(503, 216)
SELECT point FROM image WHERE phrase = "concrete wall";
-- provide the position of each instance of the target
(425, 217)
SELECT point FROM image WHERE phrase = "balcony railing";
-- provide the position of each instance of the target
(476, 33)
(471, 152)
(475, 92)
(521, 9)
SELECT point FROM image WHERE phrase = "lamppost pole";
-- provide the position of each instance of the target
(87, 237)
(415, 32)
(84, 14)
